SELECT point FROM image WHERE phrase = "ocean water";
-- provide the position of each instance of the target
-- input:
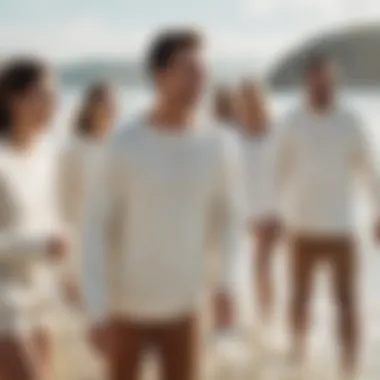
(322, 341)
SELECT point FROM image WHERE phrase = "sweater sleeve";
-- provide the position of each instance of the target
(103, 226)
(284, 153)
(71, 186)
(231, 205)
(368, 165)
(17, 246)
(71, 196)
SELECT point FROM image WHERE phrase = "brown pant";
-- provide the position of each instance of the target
(25, 358)
(338, 253)
(176, 344)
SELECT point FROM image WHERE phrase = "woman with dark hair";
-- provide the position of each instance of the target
(259, 161)
(32, 241)
(79, 161)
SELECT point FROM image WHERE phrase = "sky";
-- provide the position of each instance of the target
(260, 30)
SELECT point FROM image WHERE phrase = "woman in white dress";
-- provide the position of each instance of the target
(80, 161)
(259, 160)
(32, 240)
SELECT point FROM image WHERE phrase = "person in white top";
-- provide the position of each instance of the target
(166, 181)
(322, 150)
(32, 239)
(258, 147)
(79, 162)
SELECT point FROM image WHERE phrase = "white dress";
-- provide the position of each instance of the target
(78, 164)
(260, 176)
(28, 218)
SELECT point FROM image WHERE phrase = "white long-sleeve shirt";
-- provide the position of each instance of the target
(260, 175)
(319, 156)
(28, 218)
(163, 192)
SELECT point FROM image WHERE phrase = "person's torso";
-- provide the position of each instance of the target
(258, 157)
(169, 184)
(29, 185)
(322, 175)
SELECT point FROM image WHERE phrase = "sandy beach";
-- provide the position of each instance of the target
(244, 354)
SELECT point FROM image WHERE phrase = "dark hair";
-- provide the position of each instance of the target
(16, 77)
(94, 94)
(169, 43)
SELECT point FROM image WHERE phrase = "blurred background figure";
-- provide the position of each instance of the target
(255, 128)
(322, 150)
(79, 164)
(32, 241)
(224, 107)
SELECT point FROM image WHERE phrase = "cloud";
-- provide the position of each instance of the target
(299, 13)
(364, 10)
(93, 37)
(257, 29)
(81, 37)
(279, 25)
(305, 10)
(261, 49)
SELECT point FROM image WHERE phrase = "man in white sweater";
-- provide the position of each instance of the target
(166, 180)
(321, 151)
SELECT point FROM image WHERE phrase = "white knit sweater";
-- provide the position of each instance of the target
(164, 193)
(320, 156)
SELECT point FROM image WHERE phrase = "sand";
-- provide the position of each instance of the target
(251, 352)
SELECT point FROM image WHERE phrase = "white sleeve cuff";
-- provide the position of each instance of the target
(22, 247)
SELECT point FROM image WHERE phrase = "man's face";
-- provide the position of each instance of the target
(321, 82)
(182, 82)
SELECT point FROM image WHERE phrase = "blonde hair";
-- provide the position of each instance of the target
(224, 104)
(94, 94)
(253, 108)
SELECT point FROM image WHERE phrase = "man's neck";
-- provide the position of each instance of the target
(170, 116)
(255, 133)
(255, 127)
(320, 107)
(22, 140)
(99, 132)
